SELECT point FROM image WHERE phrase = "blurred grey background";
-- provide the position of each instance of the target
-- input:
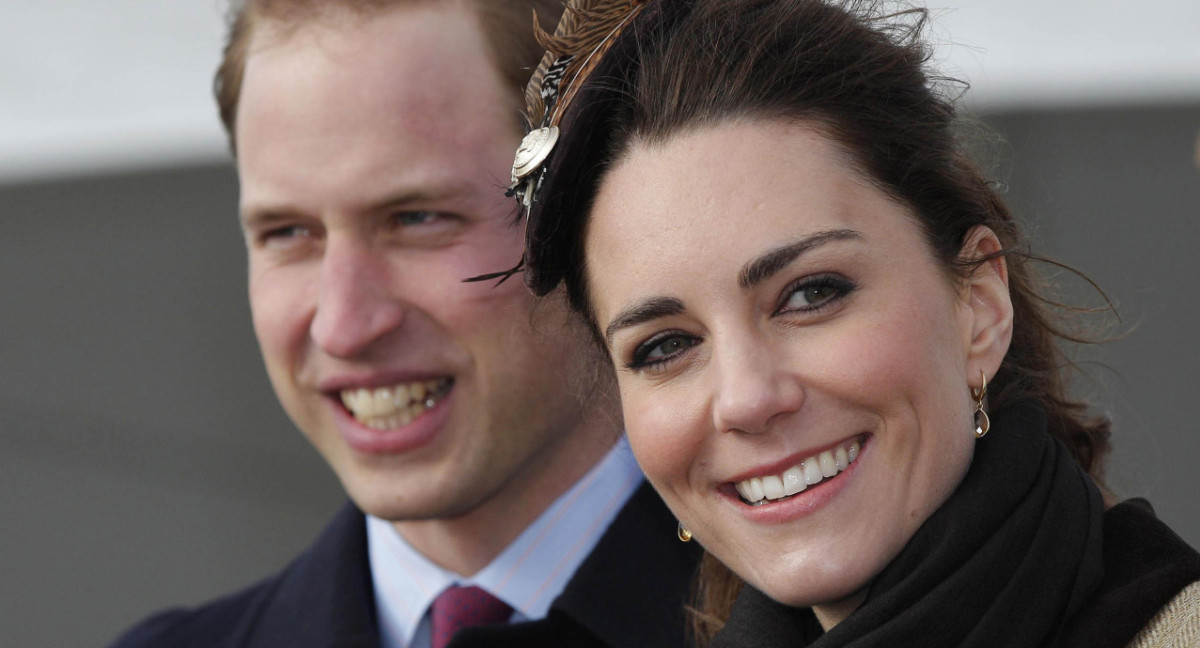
(144, 461)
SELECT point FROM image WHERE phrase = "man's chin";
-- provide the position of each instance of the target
(396, 503)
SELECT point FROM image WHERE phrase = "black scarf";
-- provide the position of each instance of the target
(1008, 561)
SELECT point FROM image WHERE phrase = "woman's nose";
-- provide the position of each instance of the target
(356, 304)
(755, 386)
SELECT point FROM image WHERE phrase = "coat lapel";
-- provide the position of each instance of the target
(325, 598)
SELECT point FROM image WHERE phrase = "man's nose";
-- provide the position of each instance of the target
(355, 302)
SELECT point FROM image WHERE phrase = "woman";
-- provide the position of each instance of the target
(834, 366)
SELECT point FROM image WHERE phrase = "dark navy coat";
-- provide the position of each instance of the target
(628, 593)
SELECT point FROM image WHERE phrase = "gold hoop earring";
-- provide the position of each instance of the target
(683, 533)
(982, 422)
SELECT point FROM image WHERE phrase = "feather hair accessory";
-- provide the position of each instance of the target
(587, 30)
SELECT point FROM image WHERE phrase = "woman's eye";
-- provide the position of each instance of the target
(813, 293)
(661, 349)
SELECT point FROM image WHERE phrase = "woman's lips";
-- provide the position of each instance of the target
(806, 473)
(802, 503)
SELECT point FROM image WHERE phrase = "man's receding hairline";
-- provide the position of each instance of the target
(284, 23)
(270, 28)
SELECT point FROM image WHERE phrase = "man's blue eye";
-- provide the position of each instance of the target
(285, 233)
(415, 217)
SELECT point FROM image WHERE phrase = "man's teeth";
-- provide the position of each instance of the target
(391, 407)
(814, 469)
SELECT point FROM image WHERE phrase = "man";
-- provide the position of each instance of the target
(471, 426)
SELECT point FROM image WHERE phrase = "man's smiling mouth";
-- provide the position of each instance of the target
(385, 408)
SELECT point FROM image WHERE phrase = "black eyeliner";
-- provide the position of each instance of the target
(840, 284)
(644, 349)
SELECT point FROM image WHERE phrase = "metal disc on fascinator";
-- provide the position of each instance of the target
(570, 100)
(535, 148)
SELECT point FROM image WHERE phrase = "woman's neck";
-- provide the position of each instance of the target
(834, 613)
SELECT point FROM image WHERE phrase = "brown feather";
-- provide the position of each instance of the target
(586, 31)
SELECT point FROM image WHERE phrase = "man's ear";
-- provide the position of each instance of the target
(988, 305)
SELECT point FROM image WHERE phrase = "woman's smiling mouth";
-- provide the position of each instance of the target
(810, 471)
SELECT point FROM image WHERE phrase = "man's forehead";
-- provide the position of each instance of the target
(424, 63)
(345, 116)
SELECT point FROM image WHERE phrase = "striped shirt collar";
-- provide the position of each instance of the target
(527, 575)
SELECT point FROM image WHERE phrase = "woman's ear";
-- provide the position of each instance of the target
(988, 305)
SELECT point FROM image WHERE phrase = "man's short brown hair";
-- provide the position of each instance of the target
(507, 27)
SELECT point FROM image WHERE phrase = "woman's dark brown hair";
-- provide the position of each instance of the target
(857, 71)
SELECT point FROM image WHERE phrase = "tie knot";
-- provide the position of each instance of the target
(463, 607)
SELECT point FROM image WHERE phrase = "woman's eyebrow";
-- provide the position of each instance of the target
(643, 311)
(766, 265)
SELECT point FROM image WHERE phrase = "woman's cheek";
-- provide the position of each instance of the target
(663, 437)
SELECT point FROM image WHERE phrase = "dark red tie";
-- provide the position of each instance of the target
(463, 607)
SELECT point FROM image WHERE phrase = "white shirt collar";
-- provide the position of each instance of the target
(527, 575)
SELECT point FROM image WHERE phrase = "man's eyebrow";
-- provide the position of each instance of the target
(399, 200)
(407, 198)
(259, 217)
(766, 265)
(643, 311)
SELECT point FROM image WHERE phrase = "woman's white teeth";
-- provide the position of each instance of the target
(757, 490)
(384, 408)
(828, 465)
(793, 480)
(812, 471)
(772, 487)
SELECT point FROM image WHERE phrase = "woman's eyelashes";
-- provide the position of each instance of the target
(661, 349)
(814, 293)
(808, 295)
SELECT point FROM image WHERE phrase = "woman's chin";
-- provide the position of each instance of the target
(796, 588)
